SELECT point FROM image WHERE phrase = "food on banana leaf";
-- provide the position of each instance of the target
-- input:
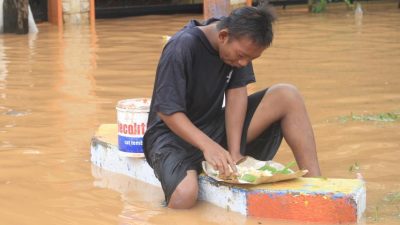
(252, 171)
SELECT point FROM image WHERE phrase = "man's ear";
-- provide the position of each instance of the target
(223, 35)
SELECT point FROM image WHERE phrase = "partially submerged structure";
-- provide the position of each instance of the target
(305, 199)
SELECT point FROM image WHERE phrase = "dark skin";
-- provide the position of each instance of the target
(281, 102)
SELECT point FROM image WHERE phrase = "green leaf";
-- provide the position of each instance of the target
(248, 177)
(273, 170)
(290, 164)
(269, 168)
(286, 169)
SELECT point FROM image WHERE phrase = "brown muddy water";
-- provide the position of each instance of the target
(56, 88)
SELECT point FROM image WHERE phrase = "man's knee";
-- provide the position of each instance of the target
(285, 92)
(185, 194)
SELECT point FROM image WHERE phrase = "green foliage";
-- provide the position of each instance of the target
(354, 168)
(381, 117)
(349, 3)
(320, 6)
(376, 216)
(393, 197)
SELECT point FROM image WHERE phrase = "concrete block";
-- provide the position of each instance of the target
(76, 19)
(106, 156)
(303, 199)
(66, 7)
(85, 5)
(71, 6)
(75, 6)
(85, 18)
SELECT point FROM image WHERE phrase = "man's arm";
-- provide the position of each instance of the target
(214, 154)
(235, 112)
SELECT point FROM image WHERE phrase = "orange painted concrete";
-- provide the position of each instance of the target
(54, 12)
(302, 207)
(92, 13)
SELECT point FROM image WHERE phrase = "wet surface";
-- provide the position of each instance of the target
(56, 88)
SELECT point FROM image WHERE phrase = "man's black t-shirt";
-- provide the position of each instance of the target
(191, 78)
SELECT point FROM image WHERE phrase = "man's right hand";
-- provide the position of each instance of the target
(214, 154)
(220, 159)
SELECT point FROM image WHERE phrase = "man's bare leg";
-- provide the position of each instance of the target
(185, 194)
(283, 102)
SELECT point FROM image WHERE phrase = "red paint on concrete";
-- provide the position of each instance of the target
(310, 208)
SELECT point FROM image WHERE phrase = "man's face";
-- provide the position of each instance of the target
(238, 52)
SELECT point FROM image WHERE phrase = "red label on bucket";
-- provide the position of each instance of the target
(132, 129)
(132, 117)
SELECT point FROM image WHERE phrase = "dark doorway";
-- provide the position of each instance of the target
(122, 8)
(39, 10)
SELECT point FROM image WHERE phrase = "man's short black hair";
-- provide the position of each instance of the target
(252, 22)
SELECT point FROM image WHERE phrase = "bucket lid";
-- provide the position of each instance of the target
(135, 104)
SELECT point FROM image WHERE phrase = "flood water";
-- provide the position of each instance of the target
(58, 86)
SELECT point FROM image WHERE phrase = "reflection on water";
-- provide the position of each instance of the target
(57, 87)
(142, 204)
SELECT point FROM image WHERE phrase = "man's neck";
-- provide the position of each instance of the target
(211, 33)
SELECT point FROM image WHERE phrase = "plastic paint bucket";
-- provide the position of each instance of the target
(132, 117)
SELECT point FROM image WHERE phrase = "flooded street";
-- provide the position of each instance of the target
(57, 87)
